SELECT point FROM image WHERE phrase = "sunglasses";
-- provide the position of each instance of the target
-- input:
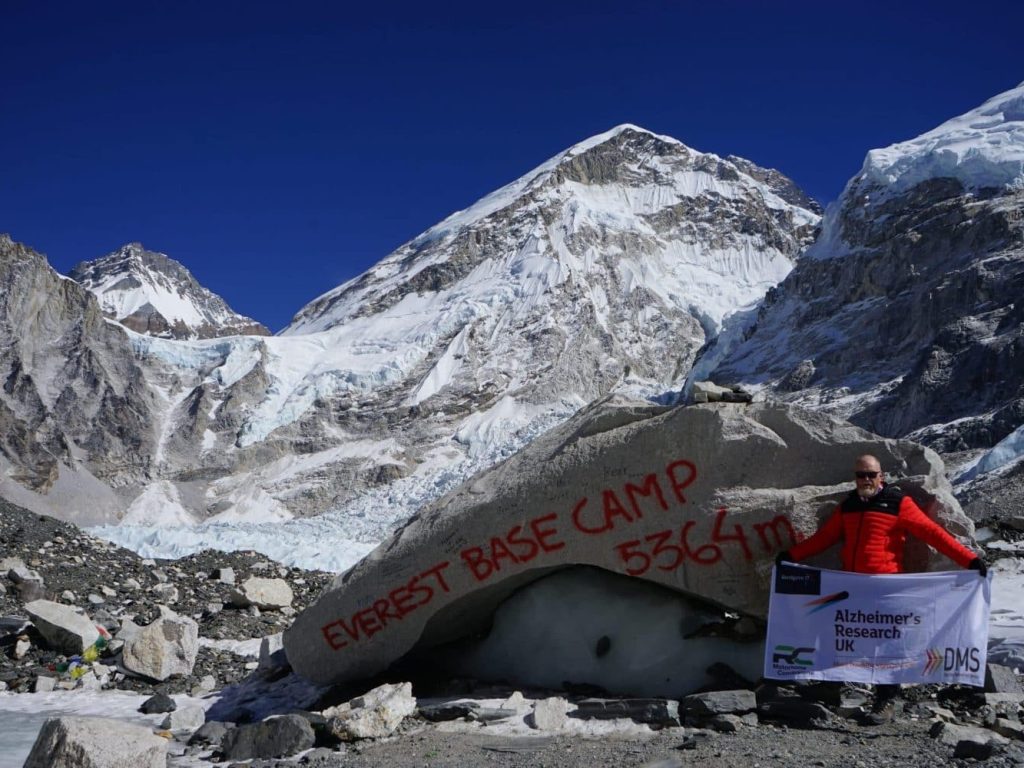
(867, 475)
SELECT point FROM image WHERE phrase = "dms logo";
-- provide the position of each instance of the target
(965, 659)
(788, 656)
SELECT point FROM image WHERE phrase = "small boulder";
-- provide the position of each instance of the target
(263, 593)
(93, 742)
(275, 737)
(45, 684)
(1000, 679)
(167, 593)
(966, 740)
(64, 629)
(211, 732)
(166, 647)
(374, 715)
(659, 712)
(720, 703)
(158, 704)
(548, 714)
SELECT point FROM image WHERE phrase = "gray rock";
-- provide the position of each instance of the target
(548, 714)
(224, 575)
(599, 491)
(995, 699)
(64, 629)
(449, 710)
(275, 737)
(726, 723)
(166, 647)
(165, 593)
(977, 739)
(45, 684)
(29, 591)
(20, 573)
(158, 704)
(92, 742)
(1011, 729)
(263, 593)
(1000, 679)
(374, 715)
(492, 714)
(661, 712)
(720, 703)
(211, 732)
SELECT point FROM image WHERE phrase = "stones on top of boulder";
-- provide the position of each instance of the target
(280, 736)
(709, 392)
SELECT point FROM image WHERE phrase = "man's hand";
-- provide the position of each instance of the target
(783, 557)
(977, 564)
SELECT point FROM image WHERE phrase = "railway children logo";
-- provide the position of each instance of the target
(790, 658)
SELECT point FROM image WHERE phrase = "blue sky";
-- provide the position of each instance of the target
(278, 149)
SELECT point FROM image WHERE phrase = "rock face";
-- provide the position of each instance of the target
(72, 389)
(155, 295)
(905, 316)
(698, 499)
(94, 742)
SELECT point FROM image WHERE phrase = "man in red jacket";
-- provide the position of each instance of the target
(873, 523)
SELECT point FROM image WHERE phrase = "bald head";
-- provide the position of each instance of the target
(868, 475)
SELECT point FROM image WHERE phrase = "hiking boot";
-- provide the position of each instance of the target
(883, 712)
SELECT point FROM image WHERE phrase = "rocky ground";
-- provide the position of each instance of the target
(448, 723)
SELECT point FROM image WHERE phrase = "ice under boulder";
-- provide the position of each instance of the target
(698, 499)
(585, 625)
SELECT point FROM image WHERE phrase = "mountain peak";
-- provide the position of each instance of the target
(152, 293)
(981, 148)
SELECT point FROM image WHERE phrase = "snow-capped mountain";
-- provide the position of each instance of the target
(154, 294)
(608, 267)
(906, 315)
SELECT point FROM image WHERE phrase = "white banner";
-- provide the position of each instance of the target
(899, 628)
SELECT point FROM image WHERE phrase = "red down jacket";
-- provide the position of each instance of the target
(874, 532)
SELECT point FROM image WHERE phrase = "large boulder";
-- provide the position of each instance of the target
(166, 647)
(95, 742)
(65, 629)
(698, 499)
